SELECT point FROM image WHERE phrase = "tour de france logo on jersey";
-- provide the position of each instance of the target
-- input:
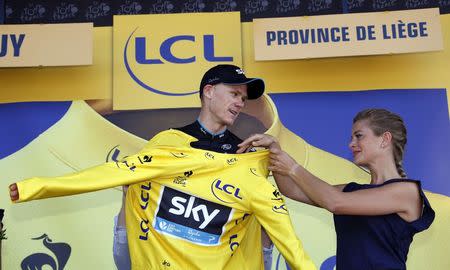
(167, 54)
(190, 218)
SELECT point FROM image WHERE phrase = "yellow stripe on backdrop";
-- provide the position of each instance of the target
(419, 70)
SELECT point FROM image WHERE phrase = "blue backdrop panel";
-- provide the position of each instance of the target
(325, 120)
(22, 122)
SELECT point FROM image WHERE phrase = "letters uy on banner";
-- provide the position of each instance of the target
(69, 44)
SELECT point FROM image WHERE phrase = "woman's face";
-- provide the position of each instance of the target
(366, 147)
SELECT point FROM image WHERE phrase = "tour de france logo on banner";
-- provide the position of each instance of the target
(160, 59)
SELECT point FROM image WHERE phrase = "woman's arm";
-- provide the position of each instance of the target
(285, 184)
(290, 189)
(401, 198)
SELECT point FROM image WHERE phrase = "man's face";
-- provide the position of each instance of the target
(227, 102)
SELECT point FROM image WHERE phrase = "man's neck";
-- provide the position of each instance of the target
(210, 125)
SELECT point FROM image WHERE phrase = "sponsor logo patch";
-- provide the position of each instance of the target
(190, 218)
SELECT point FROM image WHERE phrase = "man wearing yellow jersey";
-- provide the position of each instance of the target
(224, 90)
(189, 230)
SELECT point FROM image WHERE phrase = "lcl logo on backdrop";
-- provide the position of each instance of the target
(159, 59)
(144, 48)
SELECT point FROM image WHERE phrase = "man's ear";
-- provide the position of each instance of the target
(207, 91)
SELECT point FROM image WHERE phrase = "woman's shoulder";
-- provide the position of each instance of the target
(398, 185)
(405, 186)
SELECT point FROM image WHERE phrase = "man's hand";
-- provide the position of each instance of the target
(258, 140)
(13, 192)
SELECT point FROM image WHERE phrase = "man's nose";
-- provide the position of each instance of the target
(240, 104)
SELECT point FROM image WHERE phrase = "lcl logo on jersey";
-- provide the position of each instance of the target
(280, 208)
(209, 155)
(222, 191)
(114, 154)
(232, 161)
(191, 218)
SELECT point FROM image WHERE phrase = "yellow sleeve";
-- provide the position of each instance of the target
(131, 170)
(272, 214)
(153, 161)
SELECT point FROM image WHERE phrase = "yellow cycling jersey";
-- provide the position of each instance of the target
(188, 208)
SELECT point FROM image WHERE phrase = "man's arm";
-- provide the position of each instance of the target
(271, 212)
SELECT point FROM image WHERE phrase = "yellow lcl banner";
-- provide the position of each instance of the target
(347, 34)
(424, 70)
(159, 60)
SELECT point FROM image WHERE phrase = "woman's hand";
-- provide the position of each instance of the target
(281, 162)
(258, 140)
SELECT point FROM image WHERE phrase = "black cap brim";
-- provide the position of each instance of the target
(255, 87)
